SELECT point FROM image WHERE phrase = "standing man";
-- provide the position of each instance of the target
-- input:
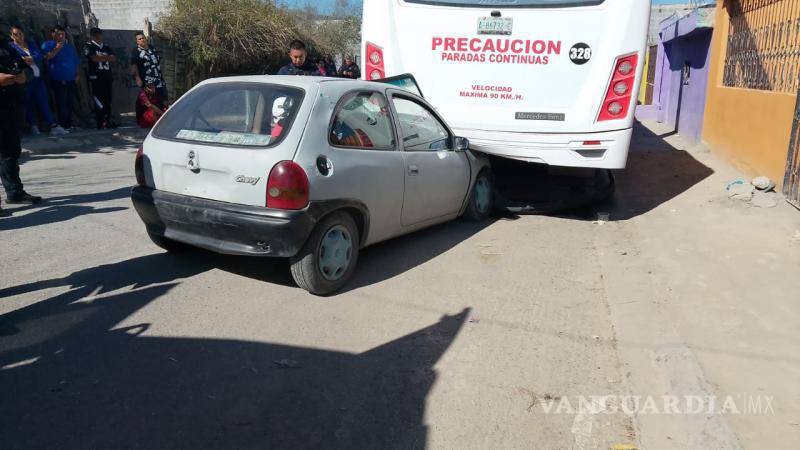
(299, 63)
(146, 66)
(350, 69)
(100, 57)
(63, 63)
(12, 80)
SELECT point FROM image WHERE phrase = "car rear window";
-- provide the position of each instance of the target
(238, 114)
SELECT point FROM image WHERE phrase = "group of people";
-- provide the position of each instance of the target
(299, 64)
(29, 73)
(27, 70)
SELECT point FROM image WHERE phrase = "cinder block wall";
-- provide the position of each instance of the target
(127, 14)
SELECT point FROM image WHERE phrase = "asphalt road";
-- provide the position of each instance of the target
(457, 336)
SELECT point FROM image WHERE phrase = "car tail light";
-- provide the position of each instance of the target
(138, 167)
(618, 95)
(287, 186)
(375, 69)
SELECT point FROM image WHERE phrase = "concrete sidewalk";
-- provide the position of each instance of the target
(85, 140)
(703, 293)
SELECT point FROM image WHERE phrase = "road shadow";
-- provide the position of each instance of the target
(396, 256)
(376, 263)
(72, 378)
(656, 173)
(61, 208)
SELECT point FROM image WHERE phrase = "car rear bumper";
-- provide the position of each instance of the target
(224, 227)
(609, 150)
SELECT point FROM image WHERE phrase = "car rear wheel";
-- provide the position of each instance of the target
(327, 260)
(166, 243)
(481, 198)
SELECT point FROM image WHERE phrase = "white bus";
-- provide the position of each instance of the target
(545, 81)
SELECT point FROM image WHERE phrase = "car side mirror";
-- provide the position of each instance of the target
(462, 144)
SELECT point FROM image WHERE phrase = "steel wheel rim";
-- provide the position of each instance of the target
(335, 252)
(482, 195)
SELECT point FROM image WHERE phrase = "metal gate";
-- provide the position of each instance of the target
(651, 74)
(791, 181)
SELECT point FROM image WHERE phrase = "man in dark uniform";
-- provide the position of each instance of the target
(299, 65)
(100, 57)
(12, 80)
(349, 69)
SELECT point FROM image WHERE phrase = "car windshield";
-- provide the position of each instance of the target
(239, 114)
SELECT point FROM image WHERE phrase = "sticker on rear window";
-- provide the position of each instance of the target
(557, 117)
(225, 137)
(580, 53)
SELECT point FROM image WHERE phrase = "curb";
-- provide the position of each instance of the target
(42, 145)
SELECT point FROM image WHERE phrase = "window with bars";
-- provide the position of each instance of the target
(763, 50)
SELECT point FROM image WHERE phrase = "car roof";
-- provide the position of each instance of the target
(294, 80)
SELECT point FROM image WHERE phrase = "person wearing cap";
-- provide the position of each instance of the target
(100, 56)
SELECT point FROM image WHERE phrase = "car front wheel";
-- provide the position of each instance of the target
(328, 259)
(480, 200)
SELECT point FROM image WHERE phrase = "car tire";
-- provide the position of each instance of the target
(328, 259)
(481, 198)
(166, 243)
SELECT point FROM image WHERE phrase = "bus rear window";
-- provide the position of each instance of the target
(238, 114)
(508, 3)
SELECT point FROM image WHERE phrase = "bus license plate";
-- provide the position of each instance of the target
(495, 25)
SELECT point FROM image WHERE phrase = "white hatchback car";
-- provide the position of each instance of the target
(308, 168)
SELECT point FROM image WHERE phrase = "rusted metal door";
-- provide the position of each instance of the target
(651, 74)
(791, 181)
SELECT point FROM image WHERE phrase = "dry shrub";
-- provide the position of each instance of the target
(229, 36)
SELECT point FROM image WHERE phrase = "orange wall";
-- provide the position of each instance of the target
(748, 127)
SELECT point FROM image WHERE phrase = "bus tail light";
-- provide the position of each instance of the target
(374, 62)
(617, 100)
(287, 186)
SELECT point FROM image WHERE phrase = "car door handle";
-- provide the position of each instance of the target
(413, 170)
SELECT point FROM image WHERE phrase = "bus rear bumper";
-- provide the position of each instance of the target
(602, 150)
